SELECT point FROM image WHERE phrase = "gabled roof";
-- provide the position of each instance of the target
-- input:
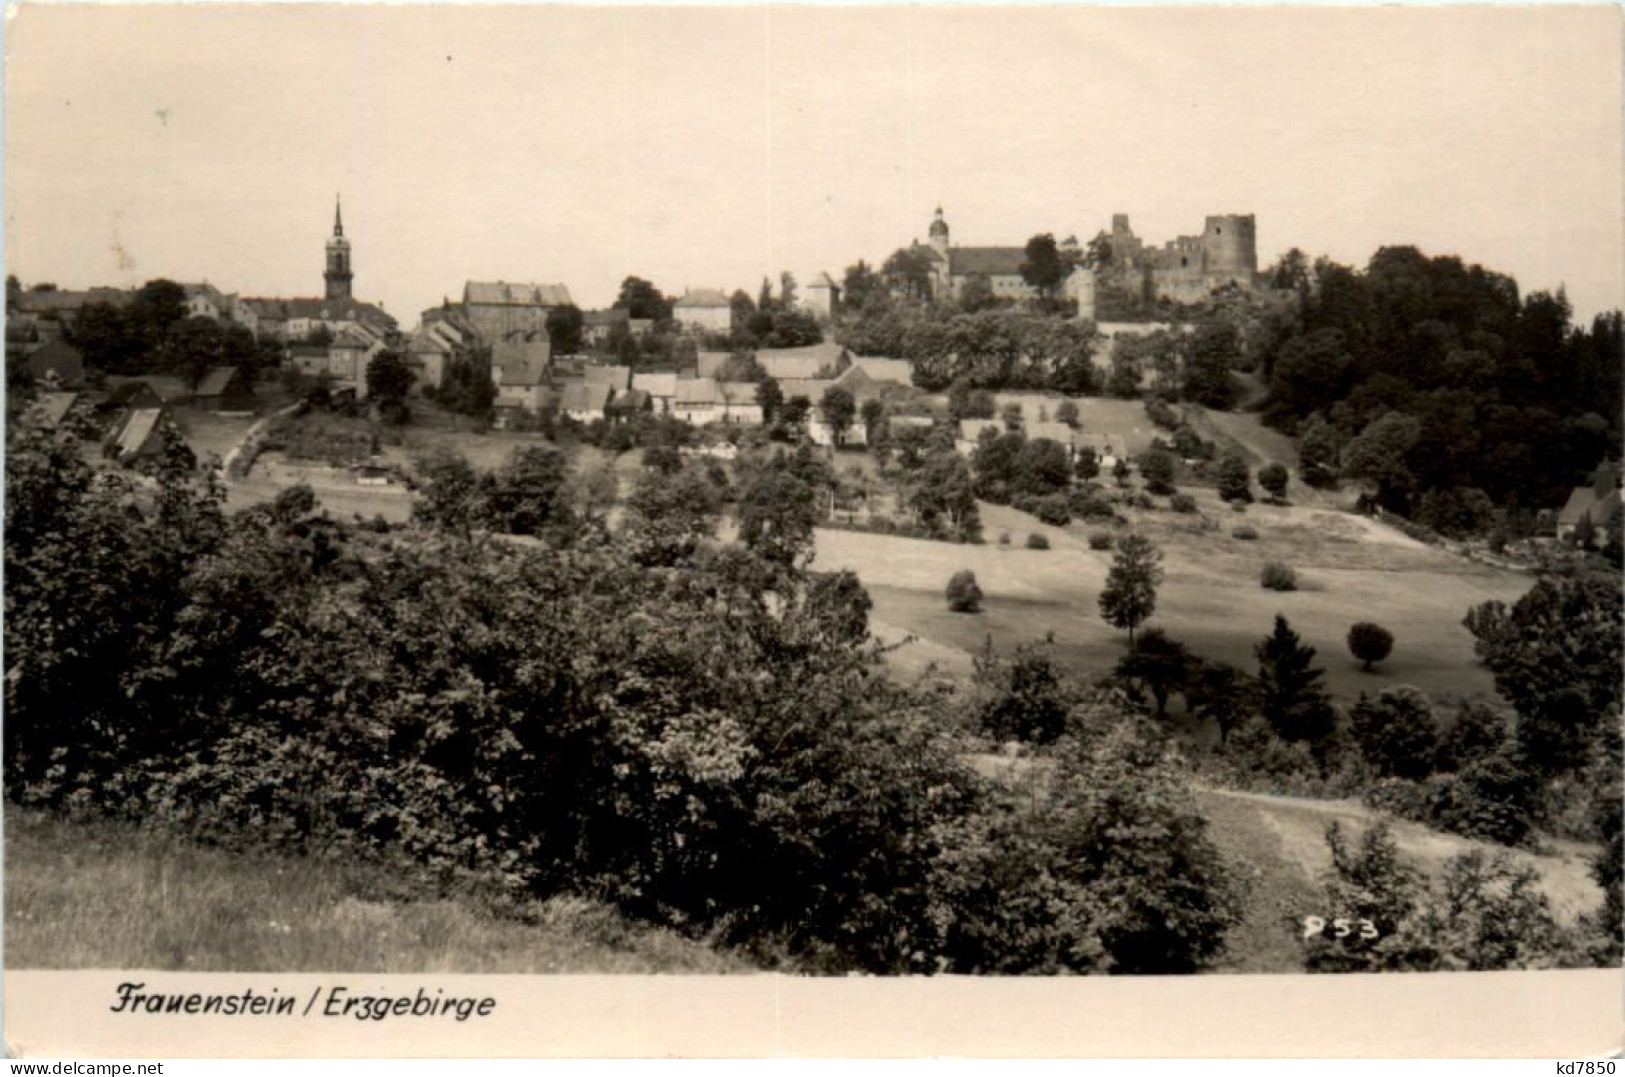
(804, 362)
(68, 301)
(1057, 432)
(895, 371)
(56, 354)
(656, 383)
(698, 391)
(322, 310)
(217, 381)
(994, 261)
(973, 429)
(702, 297)
(709, 364)
(52, 408)
(612, 317)
(139, 430)
(132, 394)
(517, 364)
(631, 400)
(502, 294)
(811, 388)
(532, 353)
(738, 392)
(823, 281)
(586, 398)
(616, 377)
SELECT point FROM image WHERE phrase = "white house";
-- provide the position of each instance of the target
(704, 308)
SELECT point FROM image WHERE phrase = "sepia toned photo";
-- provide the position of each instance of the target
(794, 530)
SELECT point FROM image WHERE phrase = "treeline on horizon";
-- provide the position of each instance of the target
(1458, 400)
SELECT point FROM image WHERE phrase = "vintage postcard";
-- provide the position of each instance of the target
(788, 531)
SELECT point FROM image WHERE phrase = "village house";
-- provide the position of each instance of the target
(519, 373)
(971, 431)
(599, 325)
(704, 309)
(51, 410)
(138, 436)
(618, 378)
(586, 402)
(823, 297)
(1597, 501)
(885, 371)
(56, 364)
(225, 388)
(661, 386)
(630, 404)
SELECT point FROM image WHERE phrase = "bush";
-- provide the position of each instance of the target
(1035, 541)
(1004, 538)
(1370, 643)
(1182, 503)
(1396, 732)
(963, 594)
(1245, 533)
(1090, 505)
(1278, 577)
(1273, 478)
(1100, 540)
(1052, 510)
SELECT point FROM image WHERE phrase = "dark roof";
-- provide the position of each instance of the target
(326, 310)
(993, 261)
(70, 301)
(58, 355)
(219, 381)
(631, 400)
(502, 294)
(612, 317)
(703, 297)
(132, 394)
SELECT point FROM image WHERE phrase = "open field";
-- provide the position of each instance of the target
(1350, 568)
(108, 896)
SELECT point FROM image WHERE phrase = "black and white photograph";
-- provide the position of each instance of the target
(732, 500)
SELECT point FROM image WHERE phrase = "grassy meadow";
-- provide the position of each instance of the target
(106, 895)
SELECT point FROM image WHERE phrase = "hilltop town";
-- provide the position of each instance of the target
(943, 569)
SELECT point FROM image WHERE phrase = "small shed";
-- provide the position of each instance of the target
(225, 388)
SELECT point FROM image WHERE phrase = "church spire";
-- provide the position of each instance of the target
(338, 216)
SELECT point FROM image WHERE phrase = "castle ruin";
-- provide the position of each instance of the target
(1186, 269)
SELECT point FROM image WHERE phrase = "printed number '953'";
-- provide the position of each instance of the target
(1341, 927)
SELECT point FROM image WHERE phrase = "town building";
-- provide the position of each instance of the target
(704, 309)
(498, 310)
(823, 296)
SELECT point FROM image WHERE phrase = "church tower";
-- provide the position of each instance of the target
(338, 258)
(939, 233)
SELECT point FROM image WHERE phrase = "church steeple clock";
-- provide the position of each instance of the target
(338, 273)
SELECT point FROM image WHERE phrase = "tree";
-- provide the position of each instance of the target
(450, 493)
(1162, 664)
(1477, 733)
(1292, 697)
(770, 397)
(1157, 468)
(963, 594)
(1396, 732)
(1221, 692)
(1378, 456)
(1041, 264)
(1319, 448)
(1234, 481)
(668, 515)
(976, 293)
(741, 307)
(787, 290)
(838, 409)
(1369, 643)
(1025, 698)
(860, 286)
(795, 411)
(908, 272)
(777, 513)
(1273, 477)
(641, 299)
(839, 601)
(1041, 469)
(1067, 412)
(944, 496)
(389, 380)
(873, 414)
(1130, 595)
(1554, 656)
(1212, 352)
(564, 328)
(530, 494)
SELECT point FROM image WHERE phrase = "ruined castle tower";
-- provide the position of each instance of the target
(338, 273)
(1230, 247)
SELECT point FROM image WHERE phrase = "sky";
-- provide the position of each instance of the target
(708, 147)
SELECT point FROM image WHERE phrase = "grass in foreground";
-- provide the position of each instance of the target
(105, 895)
